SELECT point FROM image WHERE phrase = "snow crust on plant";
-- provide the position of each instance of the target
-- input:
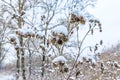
(24, 31)
(88, 57)
(61, 29)
(59, 59)
(40, 34)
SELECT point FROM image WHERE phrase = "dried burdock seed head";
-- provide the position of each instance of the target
(61, 35)
(77, 19)
(54, 34)
(72, 19)
(82, 20)
(61, 71)
(15, 43)
(55, 64)
(12, 39)
(59, 41)
(17, 48)
(43, 49)
(66, 69)
(65, 39)
(53, 40)
(29, 35)
(17, 32)
(61, 63)
(25, 36)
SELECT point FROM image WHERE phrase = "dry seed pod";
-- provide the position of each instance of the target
(59, 41)
(12, 39)
(17, 32)
(55, 64)
(65, 39)
(72, 19)
(61, 63)
(25, 36)
(61, 35)
(43, 49)
(17, 48)
(66, 69)
(53, 40)
(77, 19)
(81, 19)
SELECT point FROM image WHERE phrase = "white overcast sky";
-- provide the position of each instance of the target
(108, 11)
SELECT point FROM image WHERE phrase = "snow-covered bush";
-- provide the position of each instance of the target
(51, 30)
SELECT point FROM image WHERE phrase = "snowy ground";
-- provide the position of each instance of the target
(6, 76)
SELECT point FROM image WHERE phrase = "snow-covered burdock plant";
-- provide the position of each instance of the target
(59, 66)
(51, 29)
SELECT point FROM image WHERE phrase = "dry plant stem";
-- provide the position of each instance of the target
(43, 57)
(79, 49)
(45, 42)
(56, 74)
(30, 57)
(18, 64)
(20, 8)
(62, 76)
(19, 25)
(2, 56)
